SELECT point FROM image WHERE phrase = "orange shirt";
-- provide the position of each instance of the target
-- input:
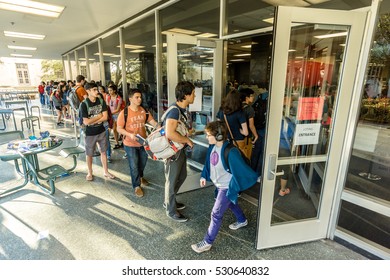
(135, 124)
(80, 91)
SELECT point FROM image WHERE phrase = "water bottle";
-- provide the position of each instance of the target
(162, 132)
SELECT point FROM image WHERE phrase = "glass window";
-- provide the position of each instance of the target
(369, 167)
(368, 224)
(112, 58)
(246, 15)
(94, 64)
(140, 45)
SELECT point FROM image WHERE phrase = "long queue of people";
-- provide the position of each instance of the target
(100, 111)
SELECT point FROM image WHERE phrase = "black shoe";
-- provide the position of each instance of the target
(178, 217)
(179, 206)
(117, 146)
(60, 124)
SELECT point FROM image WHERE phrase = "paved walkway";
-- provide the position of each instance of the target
(104, 220)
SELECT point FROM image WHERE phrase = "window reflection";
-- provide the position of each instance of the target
(369, 168)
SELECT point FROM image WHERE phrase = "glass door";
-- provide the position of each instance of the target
(315, 60)
(199, 61)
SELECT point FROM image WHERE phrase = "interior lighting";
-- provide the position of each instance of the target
(207, 35)
(105, 54)
(134, 47)
(137, 51)
(243, 54)
(32, 7)
(331, 35)
(24, 35)
(21, 55)
(22, 48)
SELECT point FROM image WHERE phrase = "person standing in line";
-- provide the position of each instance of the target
(41, 90)
(107, 124)
(80, 90)
(137, 157)
(115, 102)
(94, 114)
(229, 177)
(176, 168)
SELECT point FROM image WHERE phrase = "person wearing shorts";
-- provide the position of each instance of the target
(94, 114)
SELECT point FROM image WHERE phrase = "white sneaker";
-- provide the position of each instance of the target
(238, 225)
(201, 247)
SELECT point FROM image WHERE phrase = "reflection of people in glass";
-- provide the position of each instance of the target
(286, 136)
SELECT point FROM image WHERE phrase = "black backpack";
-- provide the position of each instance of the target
(260, 108)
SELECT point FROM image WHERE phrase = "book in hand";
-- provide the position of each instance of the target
(141, 140)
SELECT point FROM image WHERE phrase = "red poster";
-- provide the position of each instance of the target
(310, 108)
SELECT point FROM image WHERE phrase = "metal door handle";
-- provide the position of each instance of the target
(277, 173)
(272, 167)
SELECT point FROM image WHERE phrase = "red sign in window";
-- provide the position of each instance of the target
(310, 108)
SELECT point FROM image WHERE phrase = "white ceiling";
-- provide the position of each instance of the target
(81, 20)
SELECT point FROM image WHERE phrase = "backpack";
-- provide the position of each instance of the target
(226, 155)
(86, 103)
(158, 146)
(260, 108)
(74, 101)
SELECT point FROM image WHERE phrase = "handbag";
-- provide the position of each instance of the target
(242, 145)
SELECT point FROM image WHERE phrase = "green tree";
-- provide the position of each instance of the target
(52, 70)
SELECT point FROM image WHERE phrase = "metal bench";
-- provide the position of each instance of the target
(30, 122)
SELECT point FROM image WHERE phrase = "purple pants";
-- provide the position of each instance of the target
(221, 204)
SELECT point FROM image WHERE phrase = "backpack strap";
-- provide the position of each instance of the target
(226, 154)
(125, 113)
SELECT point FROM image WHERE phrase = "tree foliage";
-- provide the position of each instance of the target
(380, 52)
(52, 70)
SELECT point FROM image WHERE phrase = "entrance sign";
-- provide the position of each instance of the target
(307, 134)
(310, 108)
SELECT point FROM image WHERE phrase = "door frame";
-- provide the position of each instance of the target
(173, 39)
(317, 228)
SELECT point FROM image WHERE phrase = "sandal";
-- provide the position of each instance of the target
(109, 175)
(283, 193)
(89, 177)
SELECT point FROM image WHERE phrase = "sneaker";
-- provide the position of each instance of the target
(144, 182)
(238, 225)
(283, 193)
(60, 124)
(138, 192)
(109, 160)
(201, 247)
(125, 156)
(117, 146)
(179, 206)
(178, 217)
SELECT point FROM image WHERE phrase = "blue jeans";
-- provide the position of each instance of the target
(137, 158)
(42, 98)
(257, 152)
(221, 204)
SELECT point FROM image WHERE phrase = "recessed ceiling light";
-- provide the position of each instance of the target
(331, 35)
(184, 31)
(21, 55)
(243, 54)
(24, 35)
(246, 46)
(22, 48)
(105, 54)
(138, 51)
(207, 35)
(238, 59)
(184, 54)
(32, 7)
(134, 47)
(269, 20)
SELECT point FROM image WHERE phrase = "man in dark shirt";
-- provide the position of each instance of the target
(176, 169)
(94, 113)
